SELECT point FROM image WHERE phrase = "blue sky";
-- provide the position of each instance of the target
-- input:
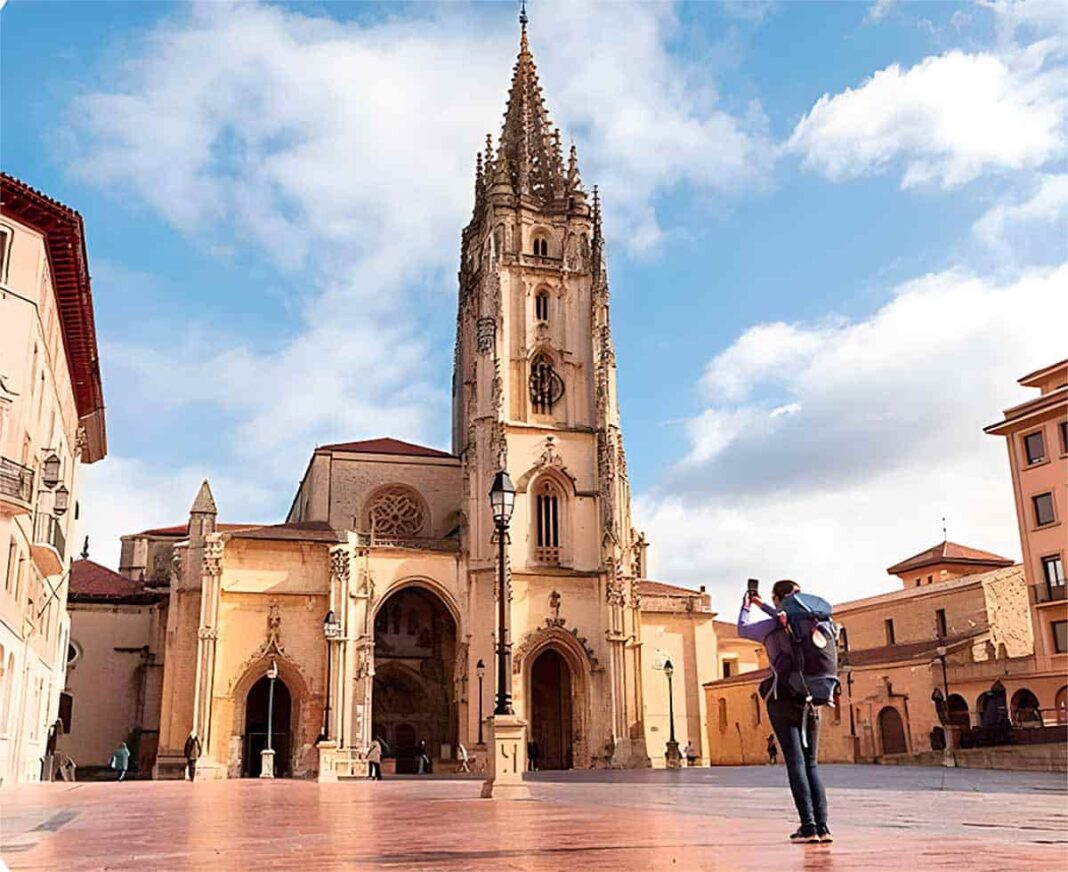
(827, 223)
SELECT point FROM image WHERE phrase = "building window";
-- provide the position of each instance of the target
(1043, 505)
(1034, 447)
(843, 638)
(547, 508)
(930, 579)
(5, 250)
(722, 706)
(755, 699)
(1060, 636)
(1063, 428)
(541, 306)
(918, 580)
(940, 623)
(541, 246)
(1053, 571)
(889, 625)
(727, 665)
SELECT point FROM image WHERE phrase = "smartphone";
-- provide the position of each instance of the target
(754, 586)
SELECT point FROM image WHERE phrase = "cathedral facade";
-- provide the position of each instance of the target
(374, 603)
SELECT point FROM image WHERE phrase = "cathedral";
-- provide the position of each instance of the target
(370, 612)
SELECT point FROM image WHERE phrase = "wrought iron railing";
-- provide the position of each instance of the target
(16, 480)
(1046, 592)
(414, 542)
(49, 531)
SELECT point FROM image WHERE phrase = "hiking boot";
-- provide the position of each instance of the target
(824, 834)
(804, 835)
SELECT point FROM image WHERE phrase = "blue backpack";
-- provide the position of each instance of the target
(813, 673)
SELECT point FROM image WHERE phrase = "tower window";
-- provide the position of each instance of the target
(541, 246)
(1035, 446)
(541, 306)
(888, 625)
(548, 524)
(546, 387)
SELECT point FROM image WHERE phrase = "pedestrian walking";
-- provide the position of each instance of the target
(120, 760)
(374, 760)
(193, 751)
(690, 753)
(532, 756)
(773, 750)
(794, 719)
(461, 756)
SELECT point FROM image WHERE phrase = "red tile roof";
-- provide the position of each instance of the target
(91, 582)
(182, 530)
(658, 588)
(949, 552)
(387, 446)
(298, 531)
(68, 262)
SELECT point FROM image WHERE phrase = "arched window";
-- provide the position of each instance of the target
(396, 512)
(546, 387)
(541, 246)
(1060, 702)
(541, 306)
(547, 523)
(1025, 709)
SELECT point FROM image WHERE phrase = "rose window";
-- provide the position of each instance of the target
(396, 513)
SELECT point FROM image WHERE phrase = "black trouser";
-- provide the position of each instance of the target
(191, 765)
(800, 757)
(374, 770)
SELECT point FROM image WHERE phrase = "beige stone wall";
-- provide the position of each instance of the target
(108, 678)
(688, 640)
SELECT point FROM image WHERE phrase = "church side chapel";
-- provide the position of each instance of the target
(368, 611)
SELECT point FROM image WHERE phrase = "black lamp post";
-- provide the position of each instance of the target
(502, 501)
(480, 671)
(672, 757)
(331, 630)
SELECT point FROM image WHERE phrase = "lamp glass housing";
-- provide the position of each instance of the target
(50, 471)
(480, 668)
(61, 501)
(502, 497)
(669, 670)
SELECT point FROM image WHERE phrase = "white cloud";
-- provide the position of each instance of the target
(879, 10)
(947, 119)
(883, 438)
(344, 153)
(1047, 205)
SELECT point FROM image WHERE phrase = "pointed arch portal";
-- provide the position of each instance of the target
(413, 698)
(551, 710)
(255, 736)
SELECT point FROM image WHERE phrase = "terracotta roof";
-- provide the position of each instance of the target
(925, 649)
(68, 261)
(949, 552)
(386, 446)
(314, 531)
(727, 630)
(182, 530)
(658, 588)
(1032, 378)
(91, 582)
(974, 580)
(754, 677)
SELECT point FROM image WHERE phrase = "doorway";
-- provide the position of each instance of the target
(255, 739)
(413, 696)
(551, 710)
(892, 731)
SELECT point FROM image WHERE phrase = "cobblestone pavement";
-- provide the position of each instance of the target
(726, 819)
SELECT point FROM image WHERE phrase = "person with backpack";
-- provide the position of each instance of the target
(800, 640)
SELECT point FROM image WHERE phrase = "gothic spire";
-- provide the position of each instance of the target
(529, 144)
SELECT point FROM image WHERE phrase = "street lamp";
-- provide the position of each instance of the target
(502, 501)
(267, 754)
(331, 630)
(672, 757)
(480, 671)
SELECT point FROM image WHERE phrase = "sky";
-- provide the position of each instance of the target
(836, 238)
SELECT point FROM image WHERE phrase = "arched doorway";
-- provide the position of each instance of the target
(957, 710)
(1025, 709)
(255, 738)
(551, 710)
(413, 697)
(892, 731)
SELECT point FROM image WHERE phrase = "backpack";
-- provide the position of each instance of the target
(813, 671)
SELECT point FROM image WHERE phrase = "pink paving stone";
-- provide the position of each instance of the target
(589, 822)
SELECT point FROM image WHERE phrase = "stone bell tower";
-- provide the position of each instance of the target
(534, 392)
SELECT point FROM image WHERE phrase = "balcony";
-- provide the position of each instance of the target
(16, 487)
(49, 544)
(1047, 593)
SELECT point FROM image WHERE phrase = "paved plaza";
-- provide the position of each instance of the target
(884, 818)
